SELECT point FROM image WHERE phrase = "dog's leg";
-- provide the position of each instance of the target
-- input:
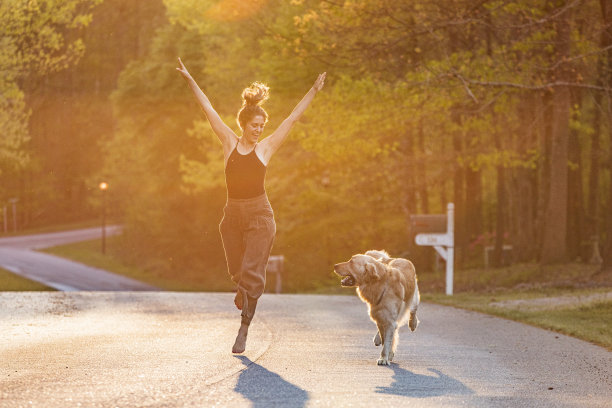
(414, 321)
(394, 343)
(387, 339)
(377, 339)
(414, 305)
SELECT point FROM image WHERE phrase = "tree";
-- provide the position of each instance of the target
(425, 100)
(606, 11)
(37, 38)
(72, 114)
(555, 223)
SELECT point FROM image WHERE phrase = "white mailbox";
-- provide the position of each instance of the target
(444, 244)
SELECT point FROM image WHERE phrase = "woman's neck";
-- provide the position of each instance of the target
(245, 144)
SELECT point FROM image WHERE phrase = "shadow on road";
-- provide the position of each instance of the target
(408, 384)
(265, 388)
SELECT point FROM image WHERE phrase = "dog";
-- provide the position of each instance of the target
(389, 287)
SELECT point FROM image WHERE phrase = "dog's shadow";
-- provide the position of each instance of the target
(408, 384)
(265, 388)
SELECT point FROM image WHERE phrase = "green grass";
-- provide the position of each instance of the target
(590, 322)
(90, 253)
(10, 282)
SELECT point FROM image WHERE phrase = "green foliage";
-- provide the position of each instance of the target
(32, 43)
(416, 93)
(13, 120)
(37, 38)
(34, 35)
(426, 102)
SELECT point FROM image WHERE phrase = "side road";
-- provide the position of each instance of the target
(18, 255)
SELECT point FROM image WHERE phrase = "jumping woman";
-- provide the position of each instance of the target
(248, 227)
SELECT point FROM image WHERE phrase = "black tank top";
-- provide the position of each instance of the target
(244, 175)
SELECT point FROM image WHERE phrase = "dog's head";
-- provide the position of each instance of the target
(358, 270)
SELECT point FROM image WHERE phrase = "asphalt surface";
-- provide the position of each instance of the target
(47, 240)
(161, 349)
(18, 255)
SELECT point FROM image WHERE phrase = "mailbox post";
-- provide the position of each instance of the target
(444, 244)
(275, 266)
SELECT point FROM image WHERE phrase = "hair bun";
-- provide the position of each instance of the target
(256, 94)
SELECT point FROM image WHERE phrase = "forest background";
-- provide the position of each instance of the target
(499, 106)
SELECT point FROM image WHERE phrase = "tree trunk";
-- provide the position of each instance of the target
(593, 204)
(473, 205)
(554, 248)
(500, 225)
(595, 156)
(606, 11)
(459, 197)
(422, 173)
(575, 208)
(523, 187)
(607, 248)
(410, 204)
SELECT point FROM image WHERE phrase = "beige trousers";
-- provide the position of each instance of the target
(247, 231)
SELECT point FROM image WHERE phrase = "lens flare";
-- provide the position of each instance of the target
(234, 10)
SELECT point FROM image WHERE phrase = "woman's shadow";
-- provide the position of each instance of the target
(265, 388)
(408, 384)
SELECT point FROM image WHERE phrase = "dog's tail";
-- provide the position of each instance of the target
(414, 305)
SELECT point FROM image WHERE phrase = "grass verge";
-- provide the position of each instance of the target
(583, 319)
(89, 253)
(10, 282)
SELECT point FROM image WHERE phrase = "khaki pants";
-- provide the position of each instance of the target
(248, 230)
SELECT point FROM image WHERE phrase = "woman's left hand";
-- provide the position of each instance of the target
(183, 71)
(318, 85)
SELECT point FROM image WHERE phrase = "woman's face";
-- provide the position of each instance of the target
(253, 129)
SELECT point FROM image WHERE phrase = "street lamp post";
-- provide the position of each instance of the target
(13, 202)
(325, 182)
(103, 188)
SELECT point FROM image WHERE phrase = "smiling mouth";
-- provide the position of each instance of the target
(348, 281)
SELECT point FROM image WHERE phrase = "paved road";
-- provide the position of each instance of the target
(18, 256)
(47, 240)
(160, 349)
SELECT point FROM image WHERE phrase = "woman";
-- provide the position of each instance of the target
(248, 227)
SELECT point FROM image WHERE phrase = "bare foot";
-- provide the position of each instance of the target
(240, 343)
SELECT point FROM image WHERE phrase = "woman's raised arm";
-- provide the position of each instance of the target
(271, 144)
(225, 134)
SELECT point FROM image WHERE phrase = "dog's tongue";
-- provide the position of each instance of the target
(348, 281)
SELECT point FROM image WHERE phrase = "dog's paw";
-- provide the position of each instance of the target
(382, 361)
(391, 355)
(377, 339)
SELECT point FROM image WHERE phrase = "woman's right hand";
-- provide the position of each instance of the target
(318, 85)
(182, 70)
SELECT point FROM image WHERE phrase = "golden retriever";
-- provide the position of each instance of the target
(389, 287)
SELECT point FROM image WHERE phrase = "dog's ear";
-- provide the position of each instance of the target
(374, 269)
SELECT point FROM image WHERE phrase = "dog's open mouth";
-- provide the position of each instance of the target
(348, 281)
